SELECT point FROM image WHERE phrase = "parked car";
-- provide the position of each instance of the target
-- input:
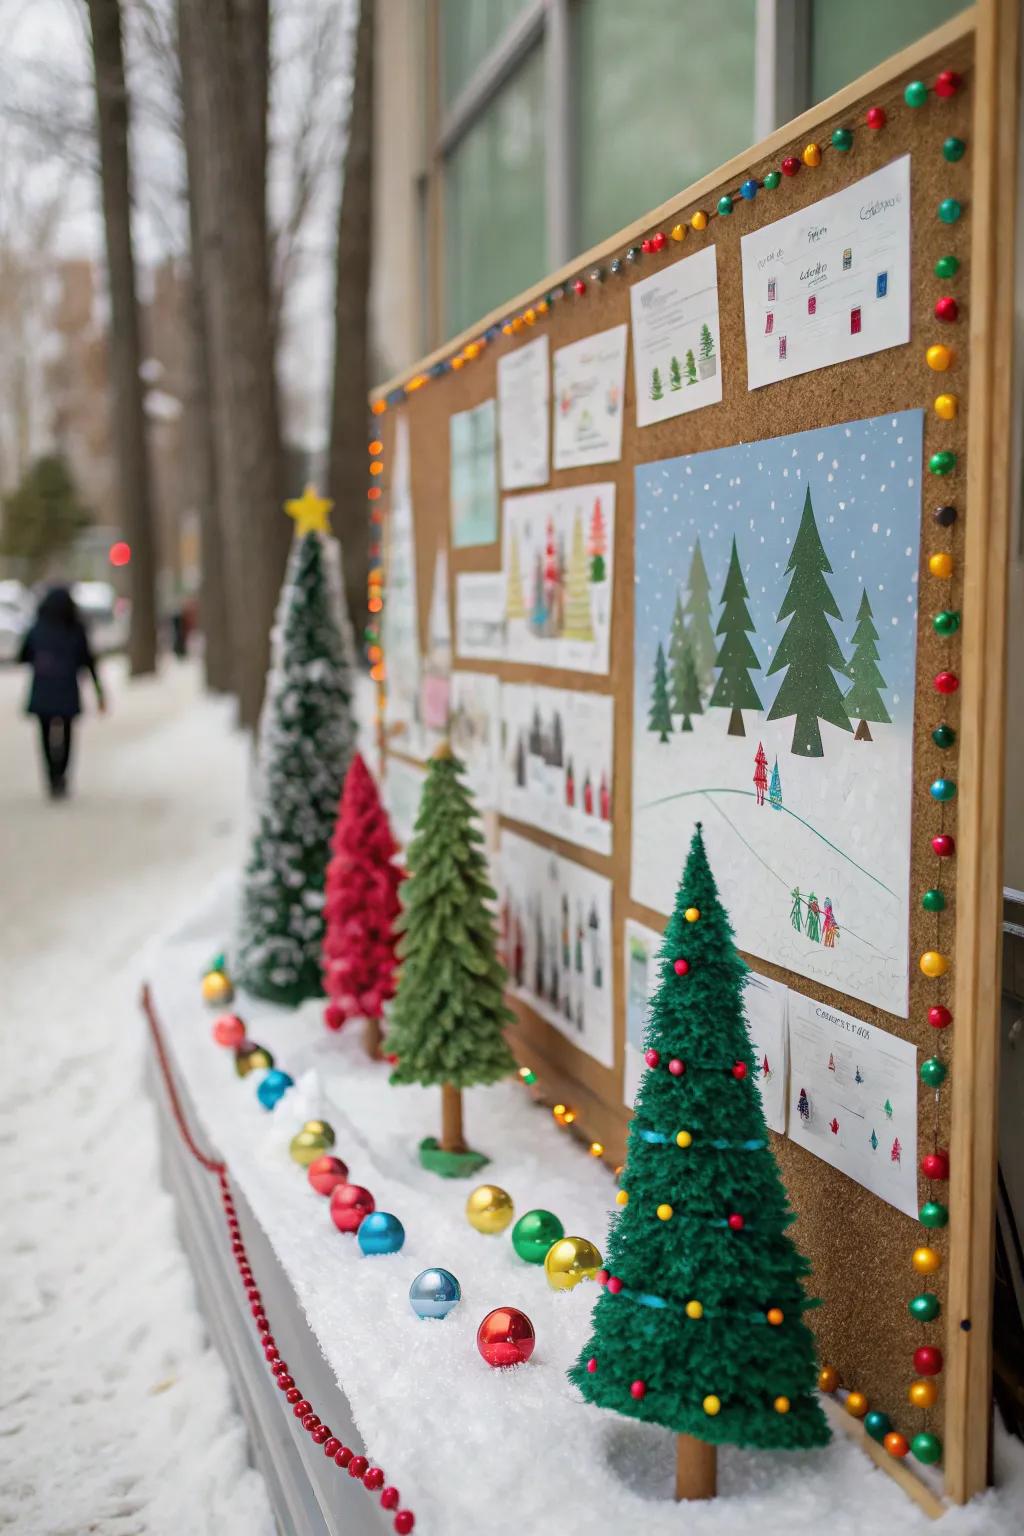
(16, 608)
(104, 614)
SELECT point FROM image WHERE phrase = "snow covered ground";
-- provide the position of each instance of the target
(116, 1415)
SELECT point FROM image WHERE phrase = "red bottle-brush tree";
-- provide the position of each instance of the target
(360, 907)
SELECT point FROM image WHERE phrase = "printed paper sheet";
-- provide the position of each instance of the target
(403, 785)
(524, 394)
(474, 732)
(677, 366)
(480, 615)
(590, 378)
(830, 282)
(556, 762)
(473, 479)
(559, 565)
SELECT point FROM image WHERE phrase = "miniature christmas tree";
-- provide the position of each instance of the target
(305, 743)
(691, 367)
(864, 698)
(448, 1019)
(809, 649)
(700, 1327)
(361, 906)
(675, 374)
(698, 613)
(515, 604)
(775, 789)
(577, 597)
(598, 542)
(736, 660)
(707, 342)
(660, 717)
(656, 388)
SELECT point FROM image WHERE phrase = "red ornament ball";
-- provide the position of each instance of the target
(344, 1456)
(927, 1360)
(332, 1445)
(228, 1030)
(404, 1522)
(357, 1466)
(947, 682)
(790, 165)
(652, 1058)
(373, 1478)
(739, 1070)
(939, 1017)
(875, 117)
(947, 83)
(321, 1434)
(681, 967)
(349, 1204)
(895, 1443)
(506, 1337)
(944, 845)
(293, 1396)
(326, 1173)
(602, 1277)
(935, 1165)
(614, 1284)
(638, 1389)
(334, 1017)
(579, 287)
(677, 1067)
(592, 1364)
(946, 309)
(736, 1222)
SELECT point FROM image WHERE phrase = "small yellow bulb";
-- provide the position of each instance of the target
(812, 155)
(684, 1139)
(692, 914)
(712, 1405)
(569, 1117)
(781, 1405)
(622, 1198)
(699, 220)
(933, 964)
(459, 362)
(923, 1394)
(517, 325)
(946, 407)
(940, 565)
(678, 232)
(529, 315)
(694, 1309)
(558, 1110)
(596, 1149)
(542, 307)
(939, 357)
(664, 1212)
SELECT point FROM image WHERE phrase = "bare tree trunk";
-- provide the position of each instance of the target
(696, 1468)
(125, 346)
(346, 473)
(224, 61)
(452, 1139)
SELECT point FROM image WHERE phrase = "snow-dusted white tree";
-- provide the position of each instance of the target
(306, 741)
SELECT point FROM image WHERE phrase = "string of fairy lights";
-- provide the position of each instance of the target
(941, 356)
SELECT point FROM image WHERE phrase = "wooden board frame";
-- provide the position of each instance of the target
(983, 44)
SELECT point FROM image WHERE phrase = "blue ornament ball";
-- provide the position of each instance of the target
(380, 1232)
(434, 1293)
(273, 1088)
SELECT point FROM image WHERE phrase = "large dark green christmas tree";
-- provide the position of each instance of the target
(306, 740)
(737, 658)
(700, 1327)
(809, 649)
(449, 1016)
(864, 700)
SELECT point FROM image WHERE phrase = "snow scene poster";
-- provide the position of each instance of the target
(774, 663)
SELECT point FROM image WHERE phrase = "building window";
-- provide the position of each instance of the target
(469, 30)
(841, 50)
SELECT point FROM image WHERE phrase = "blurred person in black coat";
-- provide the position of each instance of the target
(57, 649)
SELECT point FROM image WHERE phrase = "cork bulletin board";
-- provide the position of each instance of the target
(859, 1245)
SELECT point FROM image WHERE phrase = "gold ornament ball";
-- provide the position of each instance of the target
(828, 1378)
(489, 1209)
(569, 1261)
(781, 1405)
(665, 1212)
(694, 1309)
(311, 1142)
(775, 1316)
(684, 1139)
(692, 914)
(926, 1261)
(257, 1060)
(856, 1404)
(923, 1394)
(622, 1197)
(217, 988)
(712, 1405)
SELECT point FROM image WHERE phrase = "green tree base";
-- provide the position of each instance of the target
(450, 1165)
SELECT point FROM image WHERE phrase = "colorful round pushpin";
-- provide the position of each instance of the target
(939, 357)
(946, 682)
(699, 220)
(942, 463)
(946, 407)
(771, 181)
(749, 189)
(915, 94)
(942, 789)
(933, 900)
(842, 139)
(790, 166)
(947, 309)
(933, 964)
(946, 623)
(953, 149)
(924, 1308)
(926, 1448)
(949, 210)
(933, 1075)
(812, 155)
(875, 118)
(944, 736)
(947, 266)
(947, 83)
(945, 516)
(933, 1214)
(679, 233)
(939, 1017)
(725, 205)
(941, 565)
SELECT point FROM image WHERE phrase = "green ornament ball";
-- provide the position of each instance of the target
(933, 1072)
(916, 94)
(943, 735)
(842, 139)
(933, 1214)
(534, 1233)
(933, 901)
(943, 462)
(877, 1424)
(927, 1448)
(954, 149)
(946, 623)
(772, 180)
(924, 1308)
(947, 266)
(949, 210)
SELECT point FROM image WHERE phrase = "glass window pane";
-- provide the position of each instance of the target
(845, 43)
(666, 93)
(495, 242)
(469, 30)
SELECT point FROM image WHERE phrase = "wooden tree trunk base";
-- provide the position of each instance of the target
(862, 733)
(372, 1037)
(451, 1119)
(736, 726)
(696, 1468)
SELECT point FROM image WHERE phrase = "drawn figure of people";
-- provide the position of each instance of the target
(803, 1105)
(588, 796)
(570, 786)
(605, 800)
(897, 1151)
(566, 955)
(813, 925)
(579, 938)
(760, 773)
(830, 930)
(796, 915)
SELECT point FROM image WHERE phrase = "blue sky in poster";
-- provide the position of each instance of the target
(865, 483)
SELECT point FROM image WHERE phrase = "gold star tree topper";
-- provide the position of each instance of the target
(309, 511)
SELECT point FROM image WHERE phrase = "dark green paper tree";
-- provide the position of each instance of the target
(449, 1016)
(698, 1256)
(698, 613)
(660, 717)
(809, 649)
(735, 689)
(306, 739)
(864, 700)
(687, 689)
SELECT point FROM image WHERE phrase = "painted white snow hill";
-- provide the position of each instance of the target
(473, 1448)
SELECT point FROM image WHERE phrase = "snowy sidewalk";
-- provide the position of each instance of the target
(116, 1416)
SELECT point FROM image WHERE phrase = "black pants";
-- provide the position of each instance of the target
(56, 735)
